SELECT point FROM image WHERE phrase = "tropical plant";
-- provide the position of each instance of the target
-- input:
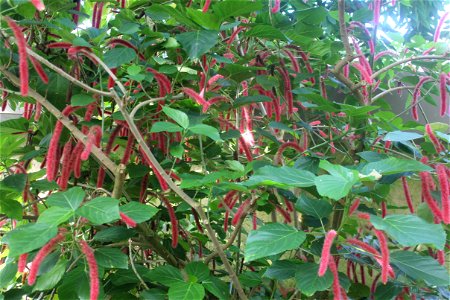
(224, 150)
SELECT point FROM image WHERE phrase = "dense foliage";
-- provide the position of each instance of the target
(224, 150)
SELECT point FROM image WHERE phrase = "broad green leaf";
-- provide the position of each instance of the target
(401, 136)
(138, 212)
(207, 130)
(281, 177)
(232, 8)
(244, 100)
(153, 294)
(165, 126)
(217, 287)
(81, 99)
(272, 239)
(206, 20)
(71, 198)
(114, 234)
(250, 279)
(122, 276)
(100, 210)
(332, 186)
(309, 282)
(55, 215)
(177, 151)
(51, 278)
(238, 72)
(339, 171)
(267, 32)
(7, 274)
(177, 115)
(166, 275)
(420, 267)
(394, 165)
(317, 208)
(410, 230)
(28, 237)
(14, 126)
(75, 285)
(197, 269)
(44, 185)
(111, 258)
(119, 56)
(387, 291)
(11, 208)
(197, 43)
(186, 291)
(14, 182)
(282, 269)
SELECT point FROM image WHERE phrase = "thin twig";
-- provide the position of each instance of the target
(382, 94)
(144, 103)
(130, 254)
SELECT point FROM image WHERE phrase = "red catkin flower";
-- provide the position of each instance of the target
(173, 220)
(38, 4)
(444, 186)
(407, 194)
(437, 32)
(364, 216)
(143, 190)
(294, 62)
(283, 147)
(376, 11)
(384, 255)
(254, 221)
(22, 47)
(441, 257)
(444, 94)
(42, 254)
(128, 149)
(93, 270)
(195, 96)
(336, 285)
(52, 161)
(354, 206)
(325, 257)
(108, 149)
(426, 192)
(416, 95)
(383, 209)
(206, 6)
(437, 145)
(276, 6)
(284, 213)
(197, 220)
(38, 67)
(127, 220)
(240, 211)
(66, 165)
(22, 263)
(94, 138)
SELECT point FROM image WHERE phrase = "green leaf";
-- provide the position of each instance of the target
(177, 151)
(153, 294)
(139, 212)
(197, 43)
(282, 269)
(333, 187)
(7, 274)
(232, 8)
(209, 131)
(177, 115)
(266, 31)
(119, 56)
(281, 177)
(28, 237)
(217, 287)
(420, 267)
(401, 136)
(50, 279)
(100, 210)
(309, 282)
(71, 198)
(186, 291)
(55, 215)
(272, 239)
(166, 275)
(197, 269)
(206, 20)
(410, 230)
(165, 126)
(317, 208)
(114, 234)
(81, 99)
(11, 208)
(14, 126)
(250, 99)
(111, 258)
(14, 182)
(394, 165)
(250, 279)
(238, 72)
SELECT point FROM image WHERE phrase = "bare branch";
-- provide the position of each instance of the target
(382, 94)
